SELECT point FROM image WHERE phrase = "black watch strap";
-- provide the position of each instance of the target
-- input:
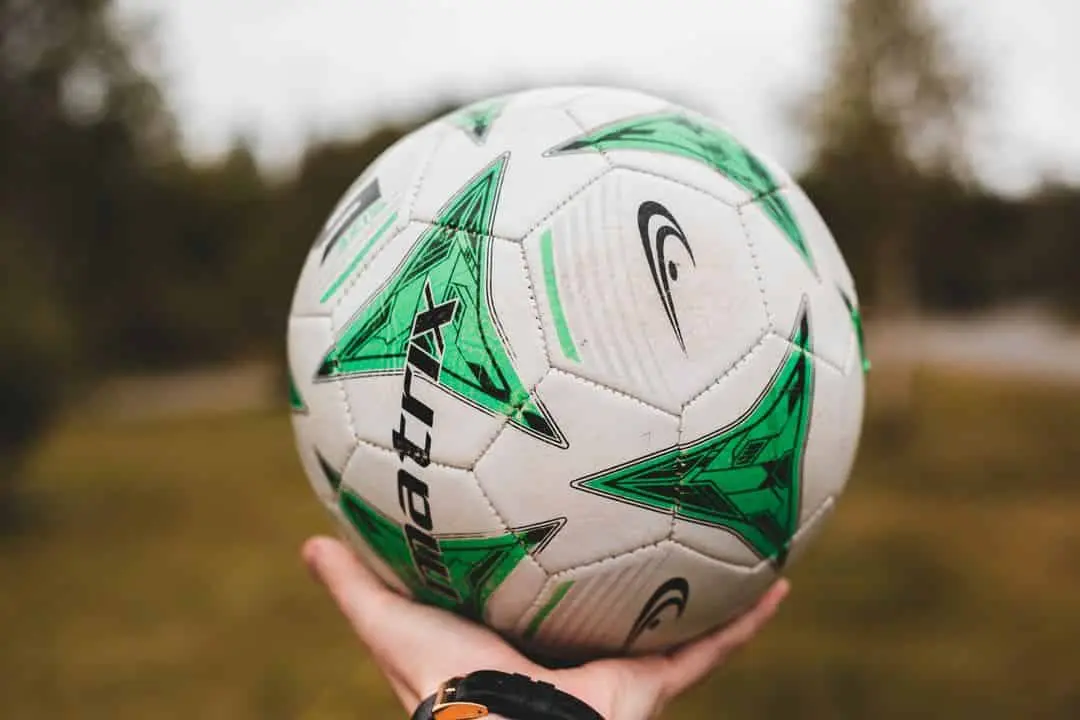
(515, 697)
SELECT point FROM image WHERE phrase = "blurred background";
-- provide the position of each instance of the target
(164, 167)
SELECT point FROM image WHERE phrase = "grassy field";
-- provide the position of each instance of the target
(158, 577)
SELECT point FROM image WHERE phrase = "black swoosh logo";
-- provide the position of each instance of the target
(664, 271)
(675, 593)
(356, 207)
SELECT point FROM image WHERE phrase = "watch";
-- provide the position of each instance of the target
(514, 696)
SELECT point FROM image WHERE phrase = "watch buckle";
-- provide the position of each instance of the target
(447, 707)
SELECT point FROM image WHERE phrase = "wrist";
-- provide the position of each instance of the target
(494, 694)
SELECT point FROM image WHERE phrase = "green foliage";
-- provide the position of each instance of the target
(37, 345)
(889, 121)
(890, 173)
(163, 580)
(77, 124)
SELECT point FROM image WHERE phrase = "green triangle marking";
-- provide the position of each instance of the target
(296, 402)
(451, 261)
(476, 119)
(542, 614)
(332, 476)
(857, 323)
(477, 564)
(745, 478)
(677, 134)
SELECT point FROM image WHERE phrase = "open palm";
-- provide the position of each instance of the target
(418, 647)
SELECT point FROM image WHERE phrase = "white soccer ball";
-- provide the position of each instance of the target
(578, 364)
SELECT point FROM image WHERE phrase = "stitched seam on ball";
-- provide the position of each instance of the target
(543, 343)
(680, 474)
(535, 304)
(436, 223)
(505, 524)
(689, 186)
(750, 244)
(853, 356)
(585, 131)
(431, 462)
(308, 316)
(339, 382)
(503, 426)
(585, 92)
(739, 363)
(414, 188)
(563, 203)
(502, 523)
(817, 358)
(779, 188)
(537, 601)
(531, 390)
(405, 211)
(611, 557)
(828, 502)
(343, 291)
(614, 391)
(709, 558)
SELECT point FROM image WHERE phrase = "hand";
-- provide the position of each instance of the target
(401, 634)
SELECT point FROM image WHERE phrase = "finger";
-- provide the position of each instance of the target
(359, 594)
(689, 664)
(416, 646)
(386, 620)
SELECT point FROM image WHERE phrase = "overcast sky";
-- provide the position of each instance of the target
(284, 71)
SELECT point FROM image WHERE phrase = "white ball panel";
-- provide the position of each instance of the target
(309, 287)
(373, 209)
(813, 524)
(374, 401)
(789, 282)
(514, 311)
(365, 552)
(459, 433)
(730, 399)
(324, 429)
(375, 406)
(835, 428)
(715, 543)
(457, 505)
(592, 265)
(827, 256)
(640, 602)
(552, 97)
(532, 185)
(515, 596)
(379, 268)
(492, 565)
(528, 481)
(718, 594)
(601, 106)
(598, 605)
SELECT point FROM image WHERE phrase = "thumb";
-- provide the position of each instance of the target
(687, 665)
(360, 595)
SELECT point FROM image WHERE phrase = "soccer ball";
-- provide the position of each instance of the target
(578, 364)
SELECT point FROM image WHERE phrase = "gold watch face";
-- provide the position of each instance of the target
(459, 711)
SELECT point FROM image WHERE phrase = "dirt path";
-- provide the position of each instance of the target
(1018, 343)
